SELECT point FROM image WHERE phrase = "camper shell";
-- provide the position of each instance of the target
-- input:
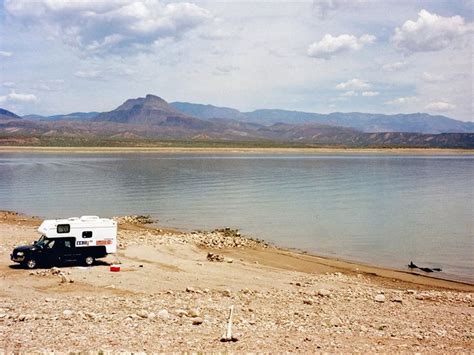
(73, 239)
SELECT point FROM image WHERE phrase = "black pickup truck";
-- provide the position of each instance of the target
(56, 251)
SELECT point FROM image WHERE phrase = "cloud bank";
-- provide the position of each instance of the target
(430, 32)
(330, 45)
(108, 26)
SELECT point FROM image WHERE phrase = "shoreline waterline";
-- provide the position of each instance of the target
(291, 259)
(236, 150)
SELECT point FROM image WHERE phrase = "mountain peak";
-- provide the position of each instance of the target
(7, 115)
(149, 110)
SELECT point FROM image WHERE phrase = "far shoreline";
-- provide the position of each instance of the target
(235, 150)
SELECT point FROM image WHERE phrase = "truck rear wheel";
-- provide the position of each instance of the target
(30, 263)
(89, 260)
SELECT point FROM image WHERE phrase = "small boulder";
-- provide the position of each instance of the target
(197, 321)
(380, 298)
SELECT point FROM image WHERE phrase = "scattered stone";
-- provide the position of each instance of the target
(142, 314)
(397, 299)
(134, 219)
(67, 314)
(197, 321)
(151, 315)
(181, 312)
(215, 257)
(163, 314)
(308, 301)
(324, 293)
(380, 298)
(193, 313)
(227, 293)
(335, 322)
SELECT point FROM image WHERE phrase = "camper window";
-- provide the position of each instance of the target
(63, 228)
(87, 234)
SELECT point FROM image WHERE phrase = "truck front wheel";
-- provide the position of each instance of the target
(30, 263)
(89, 260)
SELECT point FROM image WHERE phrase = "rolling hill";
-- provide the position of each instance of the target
(365, 122)
(150, 119)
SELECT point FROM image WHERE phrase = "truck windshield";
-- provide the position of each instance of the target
(44, 242)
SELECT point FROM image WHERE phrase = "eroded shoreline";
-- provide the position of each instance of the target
(170, 296)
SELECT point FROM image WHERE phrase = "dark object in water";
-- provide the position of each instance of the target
(425, 269)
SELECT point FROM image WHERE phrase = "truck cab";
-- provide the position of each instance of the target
(81, 240)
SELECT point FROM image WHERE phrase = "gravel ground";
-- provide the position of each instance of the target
(170, 297)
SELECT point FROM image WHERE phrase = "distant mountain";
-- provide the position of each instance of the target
(149, 119)
(207, 111)
(75, 116)
(150, 110)
(365, 122)
(6, 115)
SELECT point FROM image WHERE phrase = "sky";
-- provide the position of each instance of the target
(378, 56)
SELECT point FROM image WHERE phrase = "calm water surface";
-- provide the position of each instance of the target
(378, 209)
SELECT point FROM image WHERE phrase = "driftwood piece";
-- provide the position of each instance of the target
(228, 333)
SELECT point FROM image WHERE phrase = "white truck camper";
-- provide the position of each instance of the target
(73, 239)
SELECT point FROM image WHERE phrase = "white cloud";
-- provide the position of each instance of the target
(5, 54)
(8, 84)
(105, 26)
(370, 93)
(325, 7)
(430, 32)
(88, 74)
(395, 66)
(353, 84)
(14, 97)
(440, 106)
(348, 93)
(402, 100)
(431, 78)
(330, 45)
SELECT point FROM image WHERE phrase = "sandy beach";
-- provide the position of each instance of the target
(232, 150)
(169, 296)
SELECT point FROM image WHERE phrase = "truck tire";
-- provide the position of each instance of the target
(89, 260)
(30, 264)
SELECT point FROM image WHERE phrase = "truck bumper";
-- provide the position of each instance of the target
(17, 259)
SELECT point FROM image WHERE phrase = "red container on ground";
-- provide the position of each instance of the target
(115, 268)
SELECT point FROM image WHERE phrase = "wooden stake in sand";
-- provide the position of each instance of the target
(228, 334)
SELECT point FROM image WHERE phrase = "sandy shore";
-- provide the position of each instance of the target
(233, 150)
(170, 297)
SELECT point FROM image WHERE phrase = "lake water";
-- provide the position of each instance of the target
(378, 209)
